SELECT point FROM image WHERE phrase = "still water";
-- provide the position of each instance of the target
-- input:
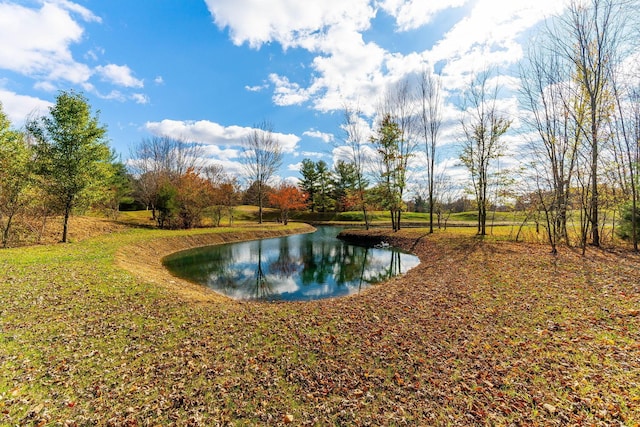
(301, 267)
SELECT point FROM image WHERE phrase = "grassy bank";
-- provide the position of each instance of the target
(488, 332)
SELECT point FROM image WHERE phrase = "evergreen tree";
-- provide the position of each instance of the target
(323, 197)
(309, 181)
(344, 184)
(70, 146)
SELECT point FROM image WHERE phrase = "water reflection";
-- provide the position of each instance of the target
(300, 267)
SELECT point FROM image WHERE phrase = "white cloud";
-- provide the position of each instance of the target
(36, 42)
(219, 153)
(200, 131)
(412, 14)
(257, 88)
(45, 86)
(208, 132)
(20, 107)
(140, 98)
(120, 75)
(114, 95)
(294, 167)
(312, 154)
(349, 68)
(326, 137)
(352, 70)
(489, 36)
(293, 180)
(288, 22)
(94, 54)
(333, 29)
(158, 80)
(287, 93)
(85, 13)
(344, 153)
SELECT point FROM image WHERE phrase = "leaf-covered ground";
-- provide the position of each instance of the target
(481, 333)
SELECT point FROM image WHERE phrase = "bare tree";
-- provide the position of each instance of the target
(589, 37)
(483, 126)
(158, 159)
(397, 117)
(355, 140)
(547, 100)
(261, 156)
(444, 191)
(430, 119)
(626, 131)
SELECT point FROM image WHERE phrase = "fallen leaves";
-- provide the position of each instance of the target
(479, 333)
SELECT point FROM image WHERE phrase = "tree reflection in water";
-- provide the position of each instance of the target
(300, 267)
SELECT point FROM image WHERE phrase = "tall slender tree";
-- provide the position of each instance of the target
(430, 119)
(626, 130)
(398, 107)
(589, 37)
(356, 140)
(391, 168)
(547, 99)
(483, 126)
(261, 156)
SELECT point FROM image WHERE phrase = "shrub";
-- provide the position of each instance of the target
(625, 228)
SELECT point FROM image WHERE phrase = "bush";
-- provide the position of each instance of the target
(167, 205)
(625, 228)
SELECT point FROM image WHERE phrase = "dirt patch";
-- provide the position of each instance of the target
(31, 231)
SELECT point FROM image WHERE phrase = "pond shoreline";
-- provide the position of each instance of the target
(300, 267)
(376, 236)
(144, 259)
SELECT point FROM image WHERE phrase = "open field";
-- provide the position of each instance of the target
(481, 333)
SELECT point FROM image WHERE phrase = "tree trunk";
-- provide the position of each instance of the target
(366, 218)
(431, 179)
(634, 223)
(479, 222)
(260, 203)
(65, 223)
(43, 227)
(594, 182)
(5, 232)
(431, 212)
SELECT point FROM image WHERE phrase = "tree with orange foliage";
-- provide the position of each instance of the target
(287, 198)
(194, 196)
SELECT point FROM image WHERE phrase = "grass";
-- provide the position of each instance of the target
(481, 333)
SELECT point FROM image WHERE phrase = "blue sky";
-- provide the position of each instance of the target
(209, 70)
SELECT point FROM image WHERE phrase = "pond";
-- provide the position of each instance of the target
(300, 267)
